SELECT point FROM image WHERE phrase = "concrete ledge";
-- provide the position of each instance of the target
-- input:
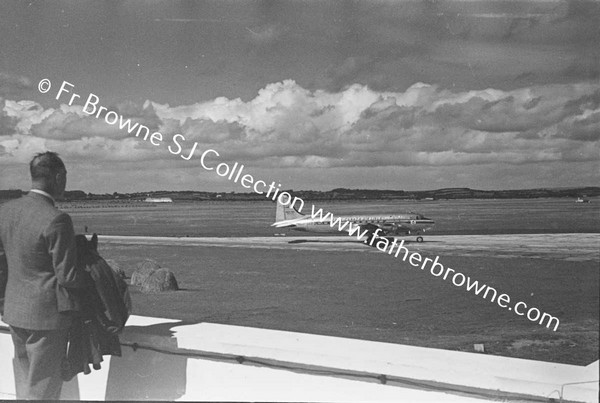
(424, 366)
(165, 359)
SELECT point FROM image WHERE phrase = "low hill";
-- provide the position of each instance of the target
(335, 194)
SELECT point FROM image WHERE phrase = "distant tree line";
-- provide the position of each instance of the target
(335, 194)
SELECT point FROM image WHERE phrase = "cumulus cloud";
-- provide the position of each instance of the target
(75, 133)
(286, 125)
(7, 123)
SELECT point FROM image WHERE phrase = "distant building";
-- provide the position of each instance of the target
(158, 200)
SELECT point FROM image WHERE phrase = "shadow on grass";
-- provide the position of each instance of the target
(297, 241)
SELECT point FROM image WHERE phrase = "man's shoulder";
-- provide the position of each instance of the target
(10, 203)
(8, 207)
(29, 206)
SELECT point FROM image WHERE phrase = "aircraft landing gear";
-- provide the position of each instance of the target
(419, 239)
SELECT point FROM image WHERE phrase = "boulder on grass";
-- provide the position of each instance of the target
(116, 267)
(160, 280)
(144, 269)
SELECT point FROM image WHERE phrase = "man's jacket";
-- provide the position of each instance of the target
(37, 264)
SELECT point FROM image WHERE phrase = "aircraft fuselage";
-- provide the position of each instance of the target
(393, 224)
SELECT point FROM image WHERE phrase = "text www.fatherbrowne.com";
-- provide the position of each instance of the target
(92, 107)
(436, 269)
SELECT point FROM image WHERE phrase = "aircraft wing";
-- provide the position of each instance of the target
(386, 229)
(369, 227)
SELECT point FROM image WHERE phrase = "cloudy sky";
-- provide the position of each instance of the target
(313, 95)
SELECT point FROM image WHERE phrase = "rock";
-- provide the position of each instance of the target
(160, 280)
(148, 264)
(116, 267)
(144, 269)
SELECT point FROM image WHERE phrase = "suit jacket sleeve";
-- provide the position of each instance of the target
(61, 246)
(3, 276)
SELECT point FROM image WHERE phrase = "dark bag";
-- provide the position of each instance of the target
(105, 307)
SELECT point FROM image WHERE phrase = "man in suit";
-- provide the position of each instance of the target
(38, 265)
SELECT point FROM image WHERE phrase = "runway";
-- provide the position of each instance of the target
(577, 247)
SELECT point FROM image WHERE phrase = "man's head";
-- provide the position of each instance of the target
(48, 173)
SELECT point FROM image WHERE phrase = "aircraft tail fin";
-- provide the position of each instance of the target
(286, 213)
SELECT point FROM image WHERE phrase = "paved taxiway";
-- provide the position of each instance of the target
(568, 247)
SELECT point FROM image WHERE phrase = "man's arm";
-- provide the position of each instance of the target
(61, 246)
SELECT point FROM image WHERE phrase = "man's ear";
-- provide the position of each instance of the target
(94, 242)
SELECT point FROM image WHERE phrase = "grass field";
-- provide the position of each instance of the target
(367, 294)
(374, 297)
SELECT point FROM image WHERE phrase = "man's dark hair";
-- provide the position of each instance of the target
(45, 165)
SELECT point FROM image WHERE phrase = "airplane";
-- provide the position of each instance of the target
(375, 224)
